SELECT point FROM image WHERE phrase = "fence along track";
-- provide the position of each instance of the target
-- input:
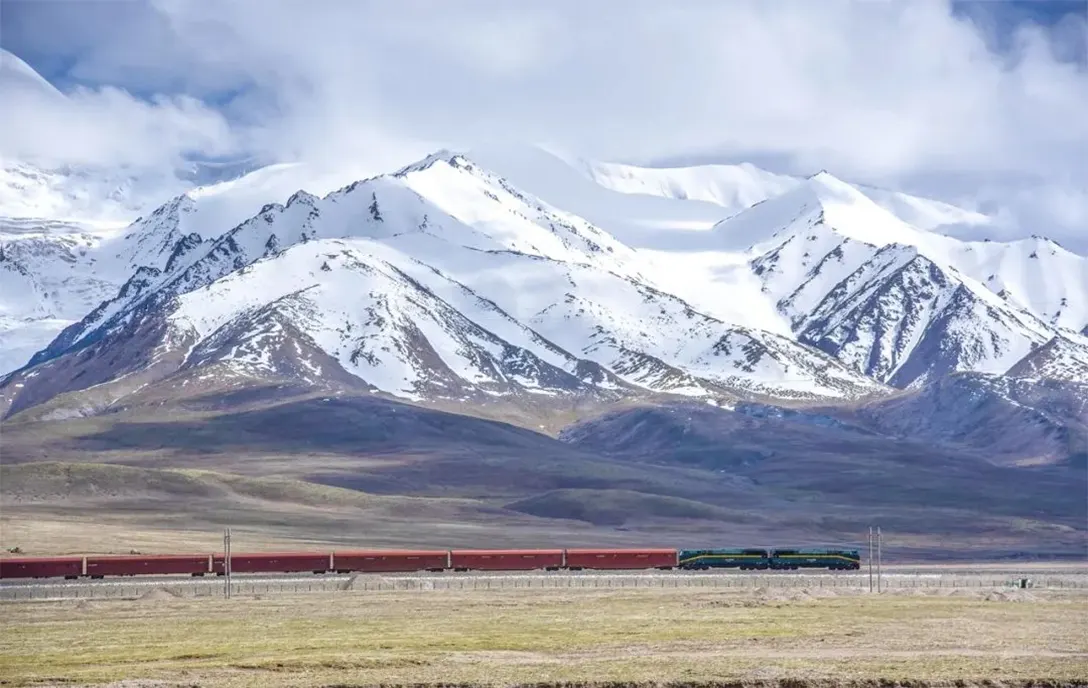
(133, 589)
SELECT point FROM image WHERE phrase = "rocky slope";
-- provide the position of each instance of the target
(809, 453)
(1008, 420)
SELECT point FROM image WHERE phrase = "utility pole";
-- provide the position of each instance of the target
(226, 560)
(879, 547)
(869, 551)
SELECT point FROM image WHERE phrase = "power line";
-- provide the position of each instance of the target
(226, 561)
(869, 552)
(879, 547)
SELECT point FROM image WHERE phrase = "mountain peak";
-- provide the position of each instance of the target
(443, 155)
(19, 77)
(820, 200)
(830, 189)
(182, 203)
(302, 196)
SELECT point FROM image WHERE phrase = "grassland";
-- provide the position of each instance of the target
(364, 471)
(86, 507)
(63, 508)
(514, 637)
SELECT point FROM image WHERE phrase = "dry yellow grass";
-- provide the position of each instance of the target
(45, 535)
(502, 638)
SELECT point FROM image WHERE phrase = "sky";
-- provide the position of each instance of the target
(982, 103)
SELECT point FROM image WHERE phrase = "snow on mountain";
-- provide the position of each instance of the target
(567, 181)
(642, 207)
(206, 213)
(649, 338)
(924, 213)
(493, 217)
(17, 77)
(1064, 357)
(105, 197)
(515, 271)
(57, 271)
(893, 301)
(373, 319)
(84, 195)
(852, 215)
(671, 208)
(905, 320)
(513, 220)
(48, 279)
(733, 187)
(1036, 274)
(571, 297)
(447, 280)
(638, 220)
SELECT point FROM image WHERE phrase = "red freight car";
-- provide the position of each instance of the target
(41, 567)
(621, 558)
(273, 562)
(192, 564)
(375, 561)
(505, 559)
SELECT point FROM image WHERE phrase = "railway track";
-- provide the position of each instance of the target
(262, 584)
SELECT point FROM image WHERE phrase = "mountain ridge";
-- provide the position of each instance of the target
(449, 224)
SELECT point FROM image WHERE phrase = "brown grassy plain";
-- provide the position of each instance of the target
(626, 636)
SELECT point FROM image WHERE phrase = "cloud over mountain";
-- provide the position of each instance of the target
(908, 95)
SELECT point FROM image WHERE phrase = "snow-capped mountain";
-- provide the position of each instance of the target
(904, 319)
(439, 280)
(617, 196)
(447, 280)
(55, 271)
(1064, 357)
(898, 303)
(48, 279)
(733, 187)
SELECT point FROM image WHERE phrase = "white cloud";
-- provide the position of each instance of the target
(878, 91)
(105, 125)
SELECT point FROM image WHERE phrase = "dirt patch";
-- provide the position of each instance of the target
(762, 597)
(773, 595)
(157, 594)
(505, 657)
(1010, 596)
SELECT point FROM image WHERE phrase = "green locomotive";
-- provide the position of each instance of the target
(834, 559)
(777, 559)
(743, 559)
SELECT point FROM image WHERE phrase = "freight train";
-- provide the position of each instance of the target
(410, 561)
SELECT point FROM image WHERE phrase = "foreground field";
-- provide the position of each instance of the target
(511, 637)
